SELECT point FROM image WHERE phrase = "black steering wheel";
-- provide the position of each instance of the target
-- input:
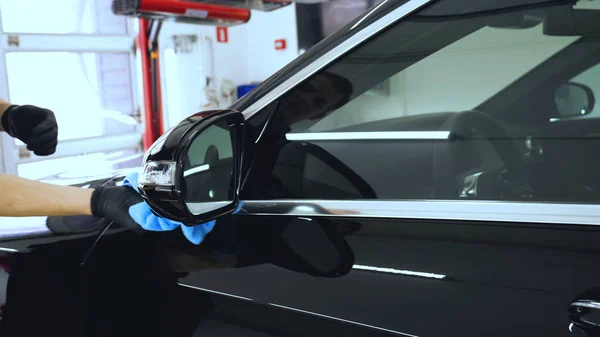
(503, 184)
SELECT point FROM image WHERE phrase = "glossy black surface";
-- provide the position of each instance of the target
(174, 147)
(165, 148)
(363, 272)
(233, 121)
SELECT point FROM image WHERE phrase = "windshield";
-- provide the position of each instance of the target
(450, 57)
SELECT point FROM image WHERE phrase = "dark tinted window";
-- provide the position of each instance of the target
(489, 105)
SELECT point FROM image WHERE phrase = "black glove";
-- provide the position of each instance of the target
(113, 203)
(34, 126)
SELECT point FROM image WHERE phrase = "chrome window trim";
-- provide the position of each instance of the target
(465, 210)
(369, 135)
(332, 55)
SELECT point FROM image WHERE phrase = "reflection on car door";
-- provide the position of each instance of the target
(360, 166)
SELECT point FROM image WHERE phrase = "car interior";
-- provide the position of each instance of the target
(520, 122)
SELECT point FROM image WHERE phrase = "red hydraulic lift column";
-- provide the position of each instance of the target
(148, 46)
(160, 119)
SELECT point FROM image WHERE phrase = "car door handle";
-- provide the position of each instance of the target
(585, 314)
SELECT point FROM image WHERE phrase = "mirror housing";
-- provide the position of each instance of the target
(161, 182)
(573, 100)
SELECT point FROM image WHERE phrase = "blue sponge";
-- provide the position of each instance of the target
(143, 215)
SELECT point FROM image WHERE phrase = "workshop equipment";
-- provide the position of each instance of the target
(245, 88)
(182, 11)
(261, 5)
(152, 13)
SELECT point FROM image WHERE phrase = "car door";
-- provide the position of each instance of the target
(377, 202)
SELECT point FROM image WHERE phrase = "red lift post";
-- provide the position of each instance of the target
(152, 111)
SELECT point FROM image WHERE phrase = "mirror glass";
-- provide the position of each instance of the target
(573, 99)
(208, 170)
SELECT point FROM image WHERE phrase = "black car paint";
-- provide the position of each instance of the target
(499, 278)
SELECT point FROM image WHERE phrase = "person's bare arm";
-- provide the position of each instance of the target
(24, 197)
(3, 106)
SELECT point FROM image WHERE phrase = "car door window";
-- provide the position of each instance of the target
(433, 108)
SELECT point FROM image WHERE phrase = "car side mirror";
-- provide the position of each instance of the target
(573, 99)
(192, 174)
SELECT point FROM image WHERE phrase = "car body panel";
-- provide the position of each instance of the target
(408, 265)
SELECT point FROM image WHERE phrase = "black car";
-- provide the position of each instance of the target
(431, 169)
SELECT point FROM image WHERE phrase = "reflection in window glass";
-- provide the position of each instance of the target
(462, 108)
(215, 137)
(61, 17)
(591, 78)
(90, 93)
(458, 77)
(208, 170)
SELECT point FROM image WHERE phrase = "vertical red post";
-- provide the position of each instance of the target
(153, 127)
(157, 96)
(142, 42)
(159, 114)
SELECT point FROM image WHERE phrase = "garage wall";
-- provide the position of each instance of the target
(456, 78)
(113, 70)
(183, 72)
(263, 30)
(248, 56)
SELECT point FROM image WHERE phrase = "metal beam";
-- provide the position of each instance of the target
(17, 42)
(75, 147)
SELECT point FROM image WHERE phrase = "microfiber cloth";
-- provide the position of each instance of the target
(143, 215)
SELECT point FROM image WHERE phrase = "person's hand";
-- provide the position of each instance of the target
(34, 126)
(114, 202)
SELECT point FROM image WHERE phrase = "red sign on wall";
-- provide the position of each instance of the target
(280, 44)
(222, 35)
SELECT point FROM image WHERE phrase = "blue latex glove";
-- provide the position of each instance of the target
(143, 215)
